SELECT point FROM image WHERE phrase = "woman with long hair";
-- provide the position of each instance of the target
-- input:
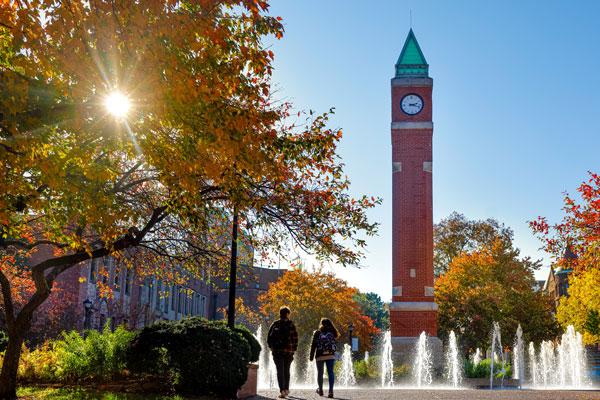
(323, 348)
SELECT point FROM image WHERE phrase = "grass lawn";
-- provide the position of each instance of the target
(42, 393)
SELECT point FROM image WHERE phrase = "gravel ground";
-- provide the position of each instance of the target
(409, 394)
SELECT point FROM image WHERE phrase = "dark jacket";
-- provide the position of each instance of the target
(290, 343)
(314, 351)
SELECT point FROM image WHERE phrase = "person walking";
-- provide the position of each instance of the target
(324, 347)
(282, 339)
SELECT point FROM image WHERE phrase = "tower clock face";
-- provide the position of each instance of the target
(411, 104)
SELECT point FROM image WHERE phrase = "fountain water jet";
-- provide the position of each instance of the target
(519, 356)
(496, 345)
(477, 356)
(387, 364)
(533, 367)
(310, 372)
(561, 366)
(423, 366)
(347, 377)
(267, 377)
(453, 367)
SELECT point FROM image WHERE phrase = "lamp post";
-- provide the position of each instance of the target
(233, 270)
(350, 330)
(87, 316)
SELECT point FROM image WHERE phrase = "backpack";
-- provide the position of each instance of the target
(279, 337)
(326, 343)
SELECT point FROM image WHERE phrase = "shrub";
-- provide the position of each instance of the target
(197, 356)
(251, 339)
(368, 371)
(38, 365)
(401, 371)
(99, 356)
(361, 371)
(482, 370)
(3, 341)
(95, 356)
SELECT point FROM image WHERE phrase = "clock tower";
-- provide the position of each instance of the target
(412, 310)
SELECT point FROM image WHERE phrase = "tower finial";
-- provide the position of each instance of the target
(411, 61)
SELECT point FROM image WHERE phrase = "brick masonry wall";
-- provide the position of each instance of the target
(412, 323)
(412, 216)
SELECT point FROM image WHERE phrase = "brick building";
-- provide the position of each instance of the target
(137, 302)
(557, 283)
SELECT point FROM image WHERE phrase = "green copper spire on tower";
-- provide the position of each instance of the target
(411, 61)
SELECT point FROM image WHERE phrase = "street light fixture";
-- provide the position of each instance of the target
(87, 317)
(350, 330)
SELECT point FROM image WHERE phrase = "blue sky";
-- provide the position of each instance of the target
(516, 103)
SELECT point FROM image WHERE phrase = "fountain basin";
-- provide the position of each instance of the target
(484, 383)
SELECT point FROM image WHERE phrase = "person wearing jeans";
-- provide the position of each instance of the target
(283, 342)
(320, 364)
(323, 347)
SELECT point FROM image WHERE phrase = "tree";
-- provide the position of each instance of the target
(487, 285)
(457, 234)
(574, 243)
(579, 230)
(582, 306)
(312, 296)
(203, 137)
(373, 307)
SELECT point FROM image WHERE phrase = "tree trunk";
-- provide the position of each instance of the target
(10, 366)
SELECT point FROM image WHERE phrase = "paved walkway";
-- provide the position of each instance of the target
(411, 394)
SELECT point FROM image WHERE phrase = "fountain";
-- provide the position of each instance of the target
(267, 377)
(453, 366)
(387, 364)
(519, 356)
(551, 365)
(310, 371)
(547, 362)
(496, 345)
(533, 367)
(347, 378)
(477, 356)
(423, 365)
(559, 366)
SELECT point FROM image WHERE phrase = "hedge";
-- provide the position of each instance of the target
(196, 355)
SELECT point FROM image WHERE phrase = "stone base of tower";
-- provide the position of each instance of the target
(404, 351)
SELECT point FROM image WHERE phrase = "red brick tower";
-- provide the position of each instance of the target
(412, 310)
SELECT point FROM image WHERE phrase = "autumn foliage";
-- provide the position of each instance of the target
(579, 232)
(487, 285)
(204, 136)
(312, 296)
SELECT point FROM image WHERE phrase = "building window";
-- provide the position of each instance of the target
(158, 294)
(173, 296)
(128, 278)
(180, 300)
(117, 278)
(166, 302)
(202, 306)
(107, 263)
(94, 270)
